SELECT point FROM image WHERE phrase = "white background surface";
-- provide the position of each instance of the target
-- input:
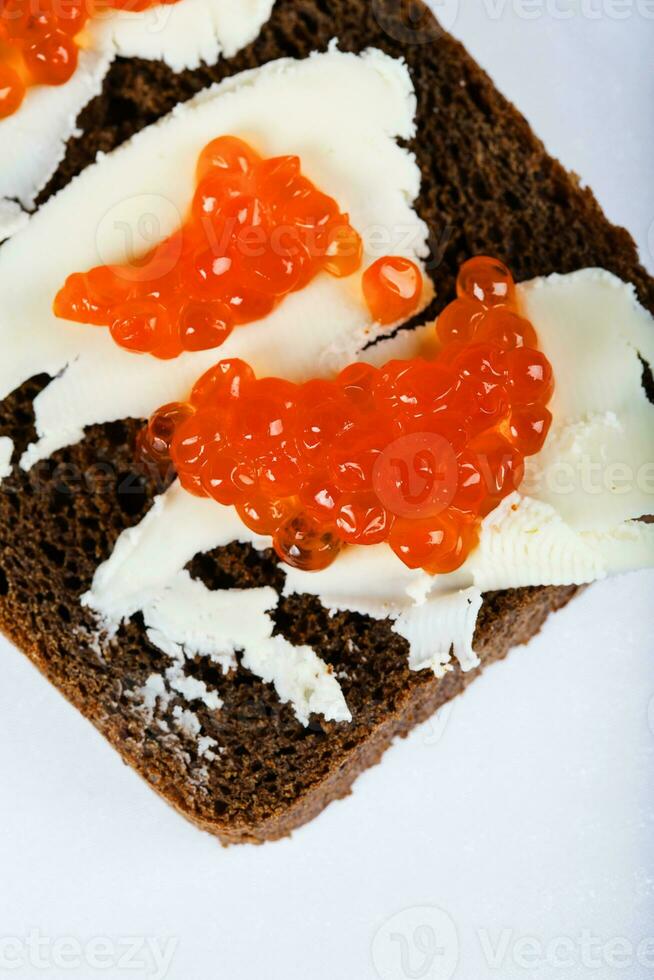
(525, 814)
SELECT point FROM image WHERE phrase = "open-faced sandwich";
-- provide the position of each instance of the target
(323, 386)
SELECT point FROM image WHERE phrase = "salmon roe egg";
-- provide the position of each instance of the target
(486, 281)
(413, 454)
(12, 91)
(51, 59)
(392, 287)
(154, 442)
(303, 543)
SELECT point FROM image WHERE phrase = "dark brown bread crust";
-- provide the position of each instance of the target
(488, 186)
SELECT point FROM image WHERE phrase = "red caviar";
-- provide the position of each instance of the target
(39, 42)
(12, 90)
(258, 231)
(392, 287)
(414, 453)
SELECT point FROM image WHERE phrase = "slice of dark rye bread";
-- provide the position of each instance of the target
(488, 186)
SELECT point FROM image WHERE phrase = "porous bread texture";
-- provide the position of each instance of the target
(488, 186)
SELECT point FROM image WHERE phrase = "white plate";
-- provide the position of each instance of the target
(511, 838)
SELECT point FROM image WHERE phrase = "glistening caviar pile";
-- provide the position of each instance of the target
(39, 42)
(414, 454)
(258, 230)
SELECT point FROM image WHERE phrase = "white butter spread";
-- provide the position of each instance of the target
(34, 138)
(439, 626)
(6, 452)
(528, 540)
(12, 218)
(183, 35)
(184, 618)
(597, 466)
(218, 624)
(348, 147)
